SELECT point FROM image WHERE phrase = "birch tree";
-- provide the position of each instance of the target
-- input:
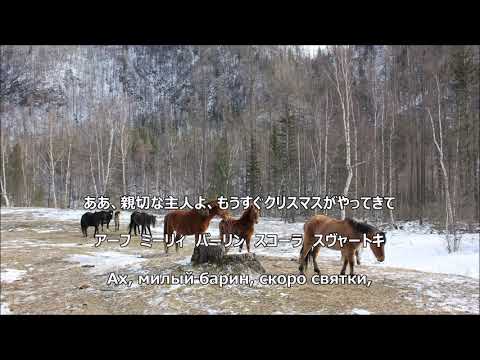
(438, 141)
(3, 178)
(342, 62)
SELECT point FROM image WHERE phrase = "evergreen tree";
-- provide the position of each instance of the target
(276, 158)
(15, 174)
(288, 159)
(253, 170)
(220, 182)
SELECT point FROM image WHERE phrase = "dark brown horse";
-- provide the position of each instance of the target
(349, 228)
(242, 227)
(189, 222)
(142, 219)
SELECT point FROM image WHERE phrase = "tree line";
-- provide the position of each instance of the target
(398, 121)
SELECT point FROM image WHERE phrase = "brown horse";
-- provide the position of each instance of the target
(349, 228)
(242, 227)
(189, 222)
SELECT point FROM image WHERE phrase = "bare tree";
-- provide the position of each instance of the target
(343, 83)
(449, 218)
(3, 178)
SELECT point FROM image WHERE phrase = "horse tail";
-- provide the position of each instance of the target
(131, 225)
(83, 226)
(308, 257)
(165, 225)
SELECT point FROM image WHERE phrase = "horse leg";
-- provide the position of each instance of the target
(315, 252)
(166, 237)
(303, 260)
(177, 238)
(247, 240)
(149, 230)
(357, 254)
(196, 243)
(345, 262)
(351, 261)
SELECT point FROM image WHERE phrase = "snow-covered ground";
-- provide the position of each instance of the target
(103, 261)
(412, 247)
(11, 275)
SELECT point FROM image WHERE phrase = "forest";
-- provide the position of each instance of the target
(386, 120)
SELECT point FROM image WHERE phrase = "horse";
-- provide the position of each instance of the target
(142, 219)
(105, 217)
(242, 227)
(90, 219)
(150, 220)
(116, 218)
(189, 222)
(349, 228)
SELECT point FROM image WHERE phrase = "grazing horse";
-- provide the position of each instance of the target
(116, 218)
(349, 228)
(150, 220)
(142, 219)
(242, 227)
(189, 222)
(90, 219)
(105, 217)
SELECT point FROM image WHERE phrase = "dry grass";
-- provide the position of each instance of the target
(53, 285)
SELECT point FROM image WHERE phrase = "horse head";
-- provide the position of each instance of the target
(204, 212)
(254, 214)
(153, 219)
(377, 244)
(377, 238)
(215, 209)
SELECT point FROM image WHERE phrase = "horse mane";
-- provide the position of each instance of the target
(360, 227)
(246, 213)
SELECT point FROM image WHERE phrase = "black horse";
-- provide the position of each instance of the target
(142, 219)
(106, 216)
(117, 220)
(91, 219)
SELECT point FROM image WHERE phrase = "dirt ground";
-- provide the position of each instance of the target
(54, 282)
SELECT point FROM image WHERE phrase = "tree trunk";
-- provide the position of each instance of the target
(3, 182)
(67, 177)
(449, 218)
(91, 171)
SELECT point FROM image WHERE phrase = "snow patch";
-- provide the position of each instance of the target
(4, 309)
(360, 312)
(107, 261)
(11, 275)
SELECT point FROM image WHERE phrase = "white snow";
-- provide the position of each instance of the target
(104, 261)
(413, 247)
(360, 312)
(4, 310)
(11, 275)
